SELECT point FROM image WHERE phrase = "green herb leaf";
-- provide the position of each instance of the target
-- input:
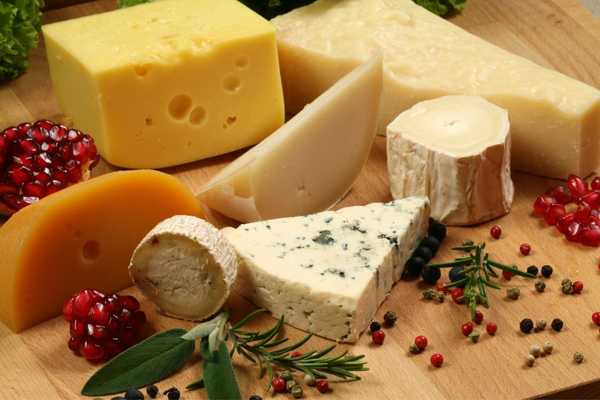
(199, 384)
(143, 364)
(219, 377)
(129, 3)
(442, 7)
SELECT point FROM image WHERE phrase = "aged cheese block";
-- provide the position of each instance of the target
(311, 161)
(168, 82)
(329, 272)
(185, 266)
(81, 237)
(456, 151)
(555, 120)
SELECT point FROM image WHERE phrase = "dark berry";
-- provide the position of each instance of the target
(533, 270)
(456, 274)
(437, 230)
(424, 252)
(134, 394)
(526, 325)
(414, 266)
(375, 326)
(432, 243)
(478, 319)
(152, 391)
(546, 271)
(557, 324)
(389, 319)
(431, 274)
(255, 397)
(173, 393)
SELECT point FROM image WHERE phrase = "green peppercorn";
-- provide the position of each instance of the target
(578, 357)
(430, 294)
(474, 336)
(533, 270)
(297, 391)
(546, 271)
(540, 325)
(389, 319)
(530, 360)
(309, 380)
(287, 375)
(548, 347)
(374, 327)
(513, 293)
(540, 286)
(557, 324)
(289, 385)
(414, 349)
(566, 286)
(526, 325)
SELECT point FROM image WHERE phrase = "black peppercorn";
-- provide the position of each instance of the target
(152, 391)
(172, 394)
(456, 274)
(546, 271)
(255, 397)
(432, 243)
(375, 326)
(424, 252)
(557, 324)
(414, 266)
(533, 270)
(431, 274)
(526, 325)
(437, 230)
(389, 319)
(134, 394)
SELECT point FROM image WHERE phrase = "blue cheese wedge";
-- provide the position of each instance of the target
(327, 273)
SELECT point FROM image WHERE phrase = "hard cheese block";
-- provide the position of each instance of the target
(456, 151)
(311, 161)
(555, 120)
(329, 272)
(81, 237)
(168, 82)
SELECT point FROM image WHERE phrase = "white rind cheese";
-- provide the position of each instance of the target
(311, 162)
(555, 119)
(186, 267)
(456, 151)
(329, 272)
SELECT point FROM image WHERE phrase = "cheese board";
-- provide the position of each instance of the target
(559, 34)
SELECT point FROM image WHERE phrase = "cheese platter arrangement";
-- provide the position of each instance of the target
(339, 198)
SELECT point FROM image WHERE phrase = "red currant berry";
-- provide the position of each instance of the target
(596, 183)
(577, 287)
(491, 328)
(496, 231)
(542, 204)
(596, 318)
(323, 385)
(554, 213)
(507, 275)
(92, 351)
(278, 384)
(421, 342)
(437, 360)
(525, 249)
(378, 337)
(457, 294)
(478, 319)
(467, 328)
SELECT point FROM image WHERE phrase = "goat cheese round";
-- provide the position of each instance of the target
(456, 151)
(185, 266)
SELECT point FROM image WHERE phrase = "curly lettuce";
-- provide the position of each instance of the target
(20, 23)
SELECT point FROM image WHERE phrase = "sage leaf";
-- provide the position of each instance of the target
(219, 377)
(145, 363)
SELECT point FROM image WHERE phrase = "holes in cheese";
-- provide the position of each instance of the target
(456, 151)
(185, 266)
(309, 163)
(81, 237)
(180, 106)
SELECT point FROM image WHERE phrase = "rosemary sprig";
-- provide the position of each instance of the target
(478, 271)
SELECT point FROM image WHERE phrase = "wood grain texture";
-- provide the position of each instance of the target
(555, 33)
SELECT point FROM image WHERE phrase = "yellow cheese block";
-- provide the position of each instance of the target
(81, 237)
(168, 82)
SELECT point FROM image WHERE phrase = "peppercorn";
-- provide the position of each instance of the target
(578, 357)
(540, 325)
(389, 319)
(437, 360)
(457, 295)
(374, 327)
(172, 394)
(467, 328)
(530, 360)
(526, 325)
(309, 380)
(478, 318)
(456, 274)
(424, 252)
(134, 394)
(430, 294)
(278, 384)
(414, 349)
(430, 274)
(255, 397)
(432, 243)
(152, 391)
(474, 337)
(323, 385)
(535, 350)
(297, 391)
(513, 293)
(596, 318)
(287, 375)
(546, 271)
(557, 324)
(491, 328)
(378, 337)
(566, 286)
(437, 230)
(414, 266)
(540, 286)
(533, 270)
(289, 385)
(548, 348)
(577, 287)
(525, 249)
(440, 298)
(421, 342)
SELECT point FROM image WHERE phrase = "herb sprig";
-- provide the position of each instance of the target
(479, 268)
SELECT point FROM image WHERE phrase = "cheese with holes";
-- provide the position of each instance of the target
(456, 151)
(329, 272)
(185, 266)
(309, 163)
(168, 82)
(555, 120)
(81, 237)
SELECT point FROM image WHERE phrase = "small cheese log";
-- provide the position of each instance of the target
(186, 267)
(81, 237)
(456, 151)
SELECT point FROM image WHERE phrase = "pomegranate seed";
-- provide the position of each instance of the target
(138, 319)
(113, 347)
(590, 235)
(98, 314)
(322, 386)
(596, 318)
(113, 304)
(7, 189)
(37, 135)
(113, 326)
(80, 151)
(592, 199)
(577, 287)
(126, 317)
(57, 133)
(583, 213)
(478, 319)
(525, 249)
(73, 135)
(421, 342)
(491, 328)
(467, 328)
(74, 174)
(34, 190)
(19, 175)
(74, 344)
(68, 309)
(496, 231)
(561, 194)
(28, 147)
(507, 275)
(562, 224)
(92, 351)
(44, 124)
(23, 161)
(97, 332)
(577, 186)
(378, 337)
(573, 233)
(437, 360)
(127, 336)
(77, 328)
(457, 294)
(82, 303)
(554, 213)
(596, 183)
(129, 302)
(542, 203)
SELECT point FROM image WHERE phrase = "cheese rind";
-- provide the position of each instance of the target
(185, 266)
(81, 237)
(456, 151)
(555, 119)
(311, 161)
(168, 82)
(329, 272)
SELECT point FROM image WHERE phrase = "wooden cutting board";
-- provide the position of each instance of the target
(556, 33)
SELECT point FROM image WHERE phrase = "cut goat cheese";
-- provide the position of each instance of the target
(456, 151)
(328, 273)
(555, 119)
(185, 266)
(310, 162)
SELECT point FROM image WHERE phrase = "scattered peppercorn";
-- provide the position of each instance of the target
(278, 384)
(430, 274)
(474, 336)
(424, 252)
(491, 328)
(375, 326)
(566, 286)
(525, 249)
(533, 270)
(496, 231)
(437, 230)
(478, 318)
(172, 394)
(429, 294)
(414, 266)
(535, 350)
(540, 325)
(457, 295)
(546, 271)
(577, 287)
(414, 349)
(287, 375)
(540, 286)
(323, 385)
(152, 391)
(134, 394)
(437, 360)
(432, 243)
(389, 319)
(548, 347)
(378, 337)
(530, 360)
(297, 391)
(255, 397)
(421, 342)
(578, 357)
(526, 325)
(467, 328)
(309, 380)
(557, 324)
(513, 293)
(596, 318)
(289, 385)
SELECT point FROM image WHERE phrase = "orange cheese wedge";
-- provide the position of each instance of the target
(81, 237)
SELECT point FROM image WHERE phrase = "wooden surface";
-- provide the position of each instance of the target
(557, 33)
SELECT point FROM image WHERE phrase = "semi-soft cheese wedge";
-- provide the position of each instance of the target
(185, 266)
(168, 82)
(311, 161)
(456, 151)
(555, 120)
(329, 272)
(81, 237)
